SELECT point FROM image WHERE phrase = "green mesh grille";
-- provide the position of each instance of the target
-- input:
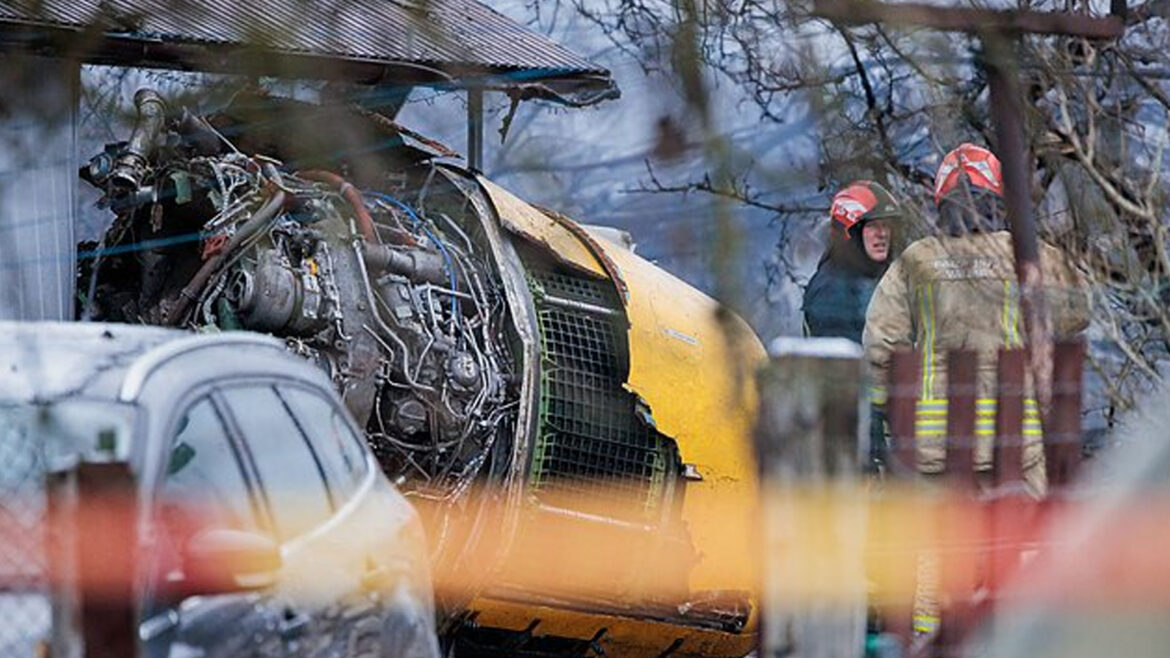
(591, 442)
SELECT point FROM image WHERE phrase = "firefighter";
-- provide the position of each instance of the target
(862, 218)
(956, 290)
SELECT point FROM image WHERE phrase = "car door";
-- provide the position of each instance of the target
(389, 610)
(298, 499)
(204, 485)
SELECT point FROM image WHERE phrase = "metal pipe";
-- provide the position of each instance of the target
(475, 128)
(371, 299)
(351, 194)
(1007, 116)
(580, 306)
(414, 264)
(131, 165)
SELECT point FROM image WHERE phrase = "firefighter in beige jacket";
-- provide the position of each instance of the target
(958, 290)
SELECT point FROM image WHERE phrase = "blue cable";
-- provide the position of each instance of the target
(418, 224)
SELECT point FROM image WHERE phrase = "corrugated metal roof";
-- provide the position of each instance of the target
(446, 34)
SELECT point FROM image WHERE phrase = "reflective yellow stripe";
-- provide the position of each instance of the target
(941, 419)
(930, 420)
(925, 623)
(929, 379)
(926, 317)
(1010, 316)
(877, 395)
(979, 432)
(1005, 313)
(1016, 322)
(981, 423)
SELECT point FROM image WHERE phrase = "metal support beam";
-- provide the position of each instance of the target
(1012, 146)
(475, 128)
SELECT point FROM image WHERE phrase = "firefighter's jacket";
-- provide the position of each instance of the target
(945, 293)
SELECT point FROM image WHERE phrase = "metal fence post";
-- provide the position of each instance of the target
(813, 514)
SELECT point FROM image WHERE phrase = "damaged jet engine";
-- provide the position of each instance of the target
(481, 341)
(389, 287)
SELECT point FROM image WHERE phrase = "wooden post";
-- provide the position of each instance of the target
(810, 459)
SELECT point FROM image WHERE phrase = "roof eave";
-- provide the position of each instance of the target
(574, 88)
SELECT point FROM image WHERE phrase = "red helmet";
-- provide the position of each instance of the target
(862, 200)
(977, 164)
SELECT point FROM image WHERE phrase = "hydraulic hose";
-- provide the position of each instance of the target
(351, 194)
(191, 291)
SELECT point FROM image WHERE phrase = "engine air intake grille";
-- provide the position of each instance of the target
(593, 449)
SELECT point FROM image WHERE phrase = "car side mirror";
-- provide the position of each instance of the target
(222, 561)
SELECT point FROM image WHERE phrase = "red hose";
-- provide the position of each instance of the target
(351, 194)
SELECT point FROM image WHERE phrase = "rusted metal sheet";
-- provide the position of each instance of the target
(903, 398)
(960, 534)
(961, 376)
(1062, 431)
(1009, 418)
(445, 37)
(436, 32)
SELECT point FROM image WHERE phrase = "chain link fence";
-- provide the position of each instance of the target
(25, 608)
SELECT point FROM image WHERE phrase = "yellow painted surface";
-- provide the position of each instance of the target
(522, 217)
(696, 372)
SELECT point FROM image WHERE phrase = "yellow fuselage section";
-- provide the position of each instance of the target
(693, 363)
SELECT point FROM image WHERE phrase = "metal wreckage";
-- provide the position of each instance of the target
(486, 344)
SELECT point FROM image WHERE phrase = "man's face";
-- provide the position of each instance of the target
(875, 238)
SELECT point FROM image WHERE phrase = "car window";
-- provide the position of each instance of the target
(337, 446)
(203, 480)
(202, 488)
(290, 473)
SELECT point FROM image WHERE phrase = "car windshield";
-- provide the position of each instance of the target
(35, 439)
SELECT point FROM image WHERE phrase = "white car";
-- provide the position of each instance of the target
(261, 521)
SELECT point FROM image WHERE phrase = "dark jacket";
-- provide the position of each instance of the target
(838, 294)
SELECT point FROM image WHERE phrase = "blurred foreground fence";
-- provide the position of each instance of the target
(930, 550)
(24, 596)
(66, 568)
